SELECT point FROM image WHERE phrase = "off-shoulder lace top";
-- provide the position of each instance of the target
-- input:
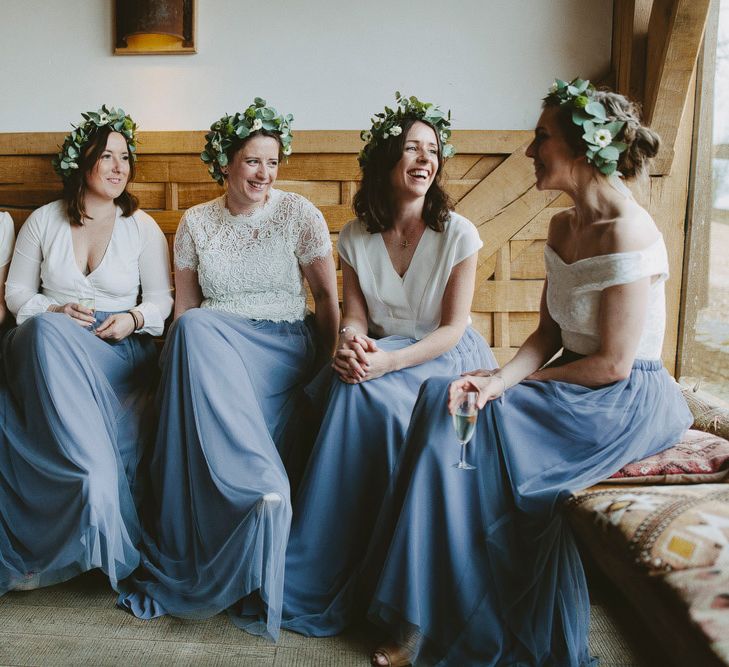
(250, 264)
(574, 290)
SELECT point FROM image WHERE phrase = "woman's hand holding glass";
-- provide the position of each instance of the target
(487, 384)
(80, 314)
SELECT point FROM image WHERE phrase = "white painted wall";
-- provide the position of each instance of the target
(332, 63)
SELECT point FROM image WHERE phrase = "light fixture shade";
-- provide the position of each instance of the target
(154, 26)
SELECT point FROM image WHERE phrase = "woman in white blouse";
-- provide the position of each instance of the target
(234, 366)
(7, 240)
(80, 372)
(408, 268)
(481, 568)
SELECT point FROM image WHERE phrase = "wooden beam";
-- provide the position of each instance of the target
(467, 142)
(630, 34)
(674, 38)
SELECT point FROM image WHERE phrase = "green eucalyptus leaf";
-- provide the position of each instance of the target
(609, 153)
(596, 109)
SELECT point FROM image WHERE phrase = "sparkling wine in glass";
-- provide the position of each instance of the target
(86, 297)
(464, 423)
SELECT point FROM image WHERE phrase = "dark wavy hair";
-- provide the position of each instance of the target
(643, 143)
(74, 185)
(374, 203)
(238, 143)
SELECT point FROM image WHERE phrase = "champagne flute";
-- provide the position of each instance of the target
(464, 423)
(86, 297)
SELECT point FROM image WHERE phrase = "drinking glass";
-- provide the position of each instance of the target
(86, 297)
(464, 422)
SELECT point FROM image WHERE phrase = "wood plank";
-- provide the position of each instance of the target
(521, 326)
(457, 166)
(305, 142)
(676, 53)
(622, 44)
(538, 226)
(501, 320)
(528, 262)
(28, 169)
(29, 194)
(484, 166)
(508, 296)
(504, 354)
(458, 189)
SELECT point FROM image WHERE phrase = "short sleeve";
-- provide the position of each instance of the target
(7, 238)
(467, 240)
(345, 241)
(313, 239)
(185, 251)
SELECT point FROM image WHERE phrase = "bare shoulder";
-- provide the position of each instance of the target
(634, 229)
(560, 226)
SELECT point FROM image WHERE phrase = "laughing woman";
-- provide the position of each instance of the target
(490, 574)
(408, 266)
(234, 366)
(79, 374)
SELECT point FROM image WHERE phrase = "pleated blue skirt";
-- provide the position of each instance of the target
(72, 416)
(349, 471)
(219, 511)
(480, 567)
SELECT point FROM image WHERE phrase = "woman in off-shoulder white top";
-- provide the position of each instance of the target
(88, 282)
(7, 240)
(496, 578)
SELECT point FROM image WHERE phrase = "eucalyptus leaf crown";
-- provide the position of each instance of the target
(388, 123)
(225, 131)
(67, 160)
(599, 132)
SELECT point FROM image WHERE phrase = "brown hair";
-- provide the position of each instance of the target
(238, 143)
(374, 204)
(643, 143)
(74, 185)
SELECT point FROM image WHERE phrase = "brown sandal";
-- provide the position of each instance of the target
(394, 656)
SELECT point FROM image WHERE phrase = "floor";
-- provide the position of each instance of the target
(76, 623)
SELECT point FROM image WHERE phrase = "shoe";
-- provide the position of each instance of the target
(391, 655)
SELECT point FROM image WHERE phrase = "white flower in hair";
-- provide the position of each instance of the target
(366, 136)
(385, 135)
(553, 88)
(287, 150)
(444, 135)
(603, 137)
(257, 125)
(395, 131)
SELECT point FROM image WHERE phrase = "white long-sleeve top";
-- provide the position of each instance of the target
(43, 270)
(7, 238)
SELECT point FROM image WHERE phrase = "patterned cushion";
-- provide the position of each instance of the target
(699, 457)
(705, 592)
(661, 528)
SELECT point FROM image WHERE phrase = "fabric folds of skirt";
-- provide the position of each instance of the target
(72, 410)
(480, 565)
(349, 471)
(219, 512)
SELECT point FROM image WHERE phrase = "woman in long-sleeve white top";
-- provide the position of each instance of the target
(79, 377)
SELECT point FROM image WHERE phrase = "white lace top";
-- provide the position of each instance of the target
(43, 270)
(574, 290)
(409, 306)
(7, 238)
(250, 264)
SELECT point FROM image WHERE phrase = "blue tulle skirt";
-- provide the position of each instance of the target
(72, 411)
(350, 469)
(219, 511)
(480, 567)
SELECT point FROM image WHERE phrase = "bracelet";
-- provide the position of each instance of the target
(501, 377)
(134, 317)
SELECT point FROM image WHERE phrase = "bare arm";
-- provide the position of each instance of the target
(322, 279)
(187, 291)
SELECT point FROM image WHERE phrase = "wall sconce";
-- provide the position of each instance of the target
(146, 27)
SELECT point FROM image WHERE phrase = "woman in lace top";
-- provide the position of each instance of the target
(80, 374)
(408, 267)
(490, 574)
(234, 365)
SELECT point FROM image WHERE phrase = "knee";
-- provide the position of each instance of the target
(43, 331)
(191, 323)
(435, 389)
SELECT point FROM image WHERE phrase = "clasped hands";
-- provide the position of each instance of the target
(114, 328)
(358, 359)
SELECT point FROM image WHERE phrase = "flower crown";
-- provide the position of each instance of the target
(389, 124)
(223, 132)
(66, 162)
(599, 132)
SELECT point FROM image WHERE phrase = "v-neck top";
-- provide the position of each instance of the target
(7, 238)
(44, 271)
(574, 292)
(410, 305)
